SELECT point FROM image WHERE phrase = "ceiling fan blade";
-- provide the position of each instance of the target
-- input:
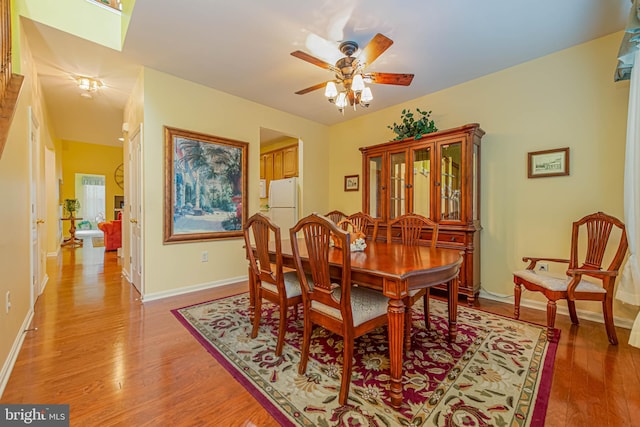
(390, 78)
(311, 88)
(375, 48)
(313, 60)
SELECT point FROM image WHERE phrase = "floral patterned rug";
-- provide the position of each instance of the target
(497, 373)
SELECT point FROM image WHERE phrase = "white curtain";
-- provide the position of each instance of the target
(92, 200)
(629, 286)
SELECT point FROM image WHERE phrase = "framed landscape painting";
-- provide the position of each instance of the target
(548, 163)
(205, 191)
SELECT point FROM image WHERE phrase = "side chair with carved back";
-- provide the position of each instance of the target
(269, 280)
(408, 228)
(333, 303)
(592, 238)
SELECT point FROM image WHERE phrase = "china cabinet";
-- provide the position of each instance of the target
(437, 176)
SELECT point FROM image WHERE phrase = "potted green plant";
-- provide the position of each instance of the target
(413, 127)
(71, 206)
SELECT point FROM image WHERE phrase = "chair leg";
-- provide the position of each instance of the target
(282, 327)
(347, 366)
(572, 312)
(427, 319)
(607, 310)
(517, 293)
(306, 343)
(257, 311)
(551, 319)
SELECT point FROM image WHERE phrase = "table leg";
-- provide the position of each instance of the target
(72, 241)
(452, 288)
(395, 311)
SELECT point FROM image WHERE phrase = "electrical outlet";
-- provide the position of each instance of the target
(543, 266)
(7, 302)
(205, 256)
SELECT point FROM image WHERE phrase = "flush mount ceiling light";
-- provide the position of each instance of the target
(89, 84)
(350, 73)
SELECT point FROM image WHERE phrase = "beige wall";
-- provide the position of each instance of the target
(178, 103)
(15, 217)
(567, 99)
(97, 24)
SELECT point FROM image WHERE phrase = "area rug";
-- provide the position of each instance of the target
(498, 372)
(97, 242)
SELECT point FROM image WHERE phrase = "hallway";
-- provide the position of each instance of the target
(117, 362)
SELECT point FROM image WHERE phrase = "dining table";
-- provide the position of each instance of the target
(394, 269)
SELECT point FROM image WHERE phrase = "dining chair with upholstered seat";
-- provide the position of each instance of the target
(269, 281)
(363, 221)
(408, 228)
(336, 216)
(590, 238)
(334, 304)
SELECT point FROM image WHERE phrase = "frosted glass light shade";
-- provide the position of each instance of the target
(330, 90)
(357, 85)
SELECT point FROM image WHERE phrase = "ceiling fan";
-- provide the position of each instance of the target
(350, 73)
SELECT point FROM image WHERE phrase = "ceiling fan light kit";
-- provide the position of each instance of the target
(350, 73)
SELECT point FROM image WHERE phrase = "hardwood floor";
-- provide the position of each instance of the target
(119, 362)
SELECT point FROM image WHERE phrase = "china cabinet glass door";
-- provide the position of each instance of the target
(397, 184)
(376, 189)
(450, 181)
(421, 186)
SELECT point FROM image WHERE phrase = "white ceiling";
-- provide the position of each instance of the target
(243, 48)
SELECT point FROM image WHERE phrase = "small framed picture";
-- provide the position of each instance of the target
(548, 163)
(351, 182)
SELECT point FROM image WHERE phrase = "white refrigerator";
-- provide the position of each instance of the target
(283, 204)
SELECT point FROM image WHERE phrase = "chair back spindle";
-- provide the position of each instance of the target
(411, 227)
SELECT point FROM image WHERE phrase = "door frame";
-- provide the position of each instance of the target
(135, 211)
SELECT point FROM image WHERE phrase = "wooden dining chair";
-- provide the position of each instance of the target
(269, 281)
(336, 216)
(364, 221)
(408, 229)
(590, 238)
(334, 304)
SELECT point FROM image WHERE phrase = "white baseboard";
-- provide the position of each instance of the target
(189, 289)
(7, 368)
(126, 275)
(44, 284)
(561, 309)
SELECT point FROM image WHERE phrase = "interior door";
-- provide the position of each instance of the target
(38, 242)
(135, 209)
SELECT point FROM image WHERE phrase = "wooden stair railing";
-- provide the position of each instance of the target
(10, 83)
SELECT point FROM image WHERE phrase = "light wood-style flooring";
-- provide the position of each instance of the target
(119, 362)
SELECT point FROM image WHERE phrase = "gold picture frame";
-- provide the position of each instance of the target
(547, 163)
(205, 190)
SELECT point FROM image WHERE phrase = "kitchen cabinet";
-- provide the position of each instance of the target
(279, 164)
(437, 176)
(290, 161)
